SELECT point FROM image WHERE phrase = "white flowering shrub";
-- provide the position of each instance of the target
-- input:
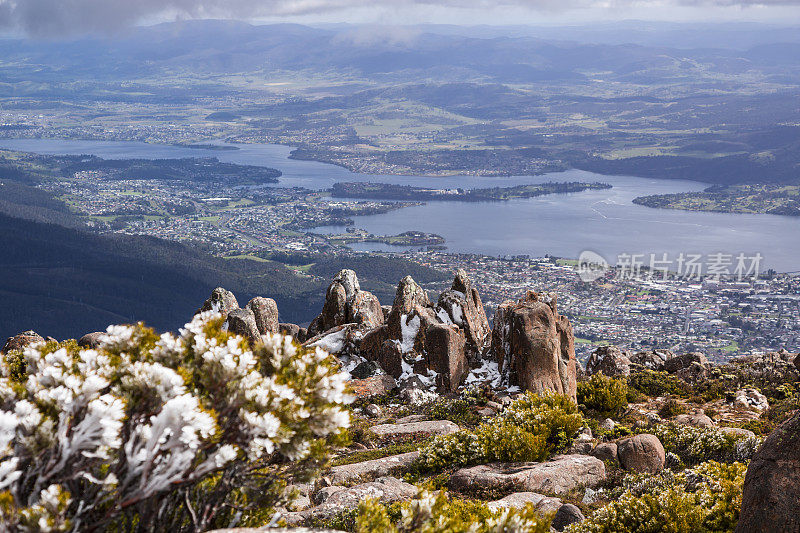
(167, 433)
(436, 513)
(694, 445)
(530, 429)
(703, 499)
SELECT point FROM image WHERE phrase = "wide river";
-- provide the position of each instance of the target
(604, 221)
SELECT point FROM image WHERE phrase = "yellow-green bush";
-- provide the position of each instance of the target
(530, 429)
(705, 499)
(603, 394)
(440, 514)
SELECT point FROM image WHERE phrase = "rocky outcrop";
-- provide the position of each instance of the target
(751, 399)
(417, 341)
(771, 489)
(293, 330)
(609, 360)
(91, 340)
(20, 341)
(265, 311)
(680, 362)
(346, 303)
(557, 476)
(461, 305)
(641, 453)
(534, 345)
(221, 300)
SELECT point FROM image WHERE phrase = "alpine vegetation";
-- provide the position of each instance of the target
(167, 433)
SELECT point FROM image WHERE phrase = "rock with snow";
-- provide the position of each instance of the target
(409, 297)
(20, 341)
(367, 369)
(534, 345)
(751, 398)
(368, 470)
(653, 360)
(609, 360)
(560, 475)
(221, 300)
(340, 340)
(265, 311)
(426, 428)
(243, 322)
(461, 305)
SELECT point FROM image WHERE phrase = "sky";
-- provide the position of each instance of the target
(49, 18)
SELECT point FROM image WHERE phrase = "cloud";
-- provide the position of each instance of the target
(52, 18)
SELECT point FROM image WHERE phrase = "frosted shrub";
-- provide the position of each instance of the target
(436, 513)
(704, 499)
(697, 444)
(161, 433)
(530, 429)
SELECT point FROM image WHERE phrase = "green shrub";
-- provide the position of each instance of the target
(603, 394)
(671, 408)
(694, 445)
(460, 411)
(704, 499)
(530, 429)
(652, 383)
(440, 514)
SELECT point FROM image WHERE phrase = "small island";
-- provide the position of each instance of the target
(772, 199)
(388, 191)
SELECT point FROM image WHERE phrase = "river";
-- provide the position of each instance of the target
(603, 221)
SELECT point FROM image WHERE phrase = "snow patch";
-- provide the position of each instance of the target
(409, 329)
(458, 314)
(332, 343)
(444, 317)
(489, 371)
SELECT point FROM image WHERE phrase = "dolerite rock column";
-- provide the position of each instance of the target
(535, 345)
(463, 307)
(221, 300)
(265, 312)
(346, 303)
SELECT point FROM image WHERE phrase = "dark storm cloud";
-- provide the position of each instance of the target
(60, 17)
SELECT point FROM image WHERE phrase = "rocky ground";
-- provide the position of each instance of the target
(502, 416)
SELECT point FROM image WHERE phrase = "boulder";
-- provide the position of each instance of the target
(390, 357)
(385, 490)
(243, 322)
(534, 345)
(557, 476)
(694, 419)
(221, 300)
(609, 360)
(751, 399)
(462, 306)
(20, 341)
(653, 360)
(425, 428)
(91, 340)
(445, 355)
(265, 311)
(541, 503)
(293, 330)
(367, 470)
(567, 514)
(641, 453)
(685, 360)
(606, 451)
(365, 309)
(340, 340)
(771, 490)
(372, 387)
